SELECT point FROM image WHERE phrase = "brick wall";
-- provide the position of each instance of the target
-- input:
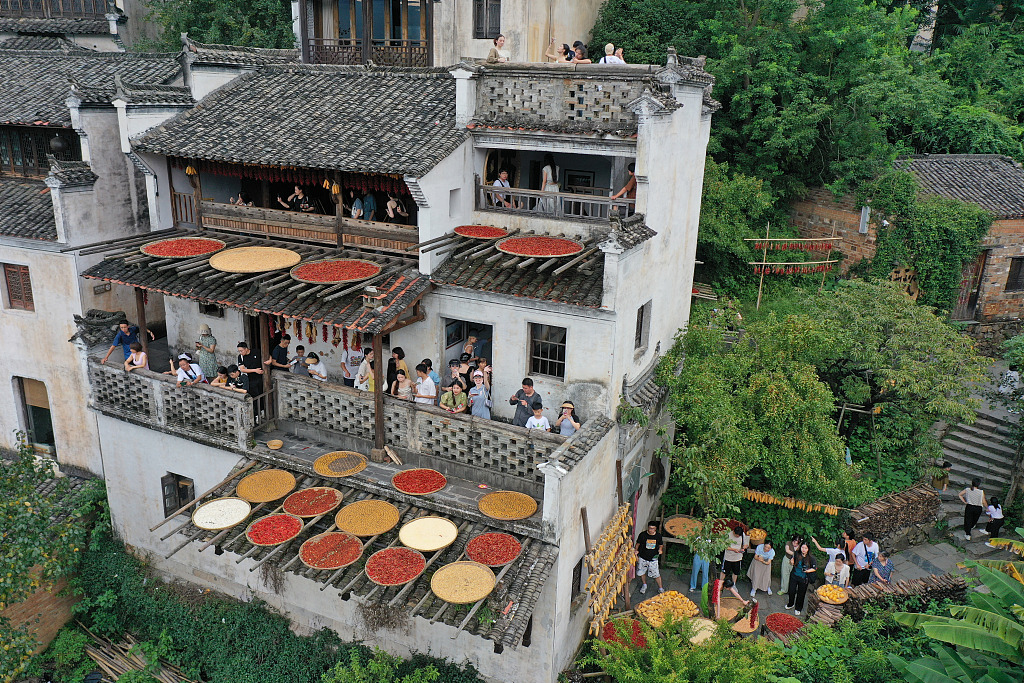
(44, 613)
(1005, 241)
(818, 213)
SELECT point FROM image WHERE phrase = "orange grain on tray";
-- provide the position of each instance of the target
(265, 486)
(507, 505)
(367, 517)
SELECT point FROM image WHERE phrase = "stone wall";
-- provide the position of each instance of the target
(991, 335)
(200, 413)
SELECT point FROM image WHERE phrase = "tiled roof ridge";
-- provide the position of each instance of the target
(577, 127)
(940, 157)
(40, 25)
(360, 69)
(71, 172)
(251, 49)
(994, 182)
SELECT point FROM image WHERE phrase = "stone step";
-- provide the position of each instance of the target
(966, 466)
(976, 546)
(982, 430)
(997, 451)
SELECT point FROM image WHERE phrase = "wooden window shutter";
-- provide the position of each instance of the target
(479, 18)
(169, 486)
(26, 290)
(493, 18)
(35, 393)
(19, 287)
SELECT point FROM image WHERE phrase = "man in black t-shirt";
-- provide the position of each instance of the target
(649, 546)
(279, 355)
(250, 365)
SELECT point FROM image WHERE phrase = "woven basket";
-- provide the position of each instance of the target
(829, 600)
(277, 514)
(332, 499)
(339, 464)
(254, 259)
(386, 555)
(295, 272)
(367, 517)
(461, 583)
(265, 486)
(428, 534)
(239, 508)
(341, 537)
(507, 505)
(214, 246)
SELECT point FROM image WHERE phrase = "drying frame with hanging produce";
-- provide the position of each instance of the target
(609, 559)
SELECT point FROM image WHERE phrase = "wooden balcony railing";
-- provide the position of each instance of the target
(183, 208)
(46, 9)
(564, 205)
(380, 52)
(310, 227)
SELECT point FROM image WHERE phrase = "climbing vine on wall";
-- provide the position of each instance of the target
(935, 236)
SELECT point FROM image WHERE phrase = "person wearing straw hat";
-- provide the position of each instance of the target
(206, 345)
(568, 422)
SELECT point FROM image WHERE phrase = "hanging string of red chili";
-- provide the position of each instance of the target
(325, 334)
(793, 246)
(795, 269)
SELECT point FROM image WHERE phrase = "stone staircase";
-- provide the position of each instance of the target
(984, 449)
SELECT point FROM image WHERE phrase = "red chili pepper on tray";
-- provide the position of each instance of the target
(395, 566)
(493, 549)
(274, 529)
(540, 246)
(331, 551)
(783, 624)
(340, 270)
(419, 481)
(183, 247)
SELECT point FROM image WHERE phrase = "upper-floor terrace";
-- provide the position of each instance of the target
(48, 9)
(384, 32)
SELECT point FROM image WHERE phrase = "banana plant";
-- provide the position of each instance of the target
(988, 634)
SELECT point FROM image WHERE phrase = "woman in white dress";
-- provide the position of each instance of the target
(549, 183)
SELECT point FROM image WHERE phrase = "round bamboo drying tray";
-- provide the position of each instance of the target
(221, 513)
(196, 246)
(265, 486)
(292, 519)
(743, 625)
(275, 444)
(303, 271)
(831, 601)
(477, 549)
(323, 500)
(339, 544)
(367, 517)
(727, 613)
(337, 464)
(428, 534)
(386, 560)
(703, 629)
(507, 505)
(461, 583)
(480, 232)
(253, 259)
(681, 525)
(539, 246)
(398, 480)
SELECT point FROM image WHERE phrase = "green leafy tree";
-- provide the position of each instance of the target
(252, 23)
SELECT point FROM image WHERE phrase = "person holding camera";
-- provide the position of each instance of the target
(568, 423)
(206, 345)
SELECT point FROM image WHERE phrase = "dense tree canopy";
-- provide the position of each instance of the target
(254, 23)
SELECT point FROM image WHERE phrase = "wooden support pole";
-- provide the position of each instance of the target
(378, 393)
(618, 481)
(764, 258)
(586, 528)
(140, 312)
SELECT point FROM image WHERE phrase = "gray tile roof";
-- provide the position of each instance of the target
(583, 441)
(37, 42)
(54, 25)
(993, 182)
(27, 209)
(212, 53)
(630, 231)
(356, 119)
(402, 285)
(37, 83)
(150, 93)
(71, 172)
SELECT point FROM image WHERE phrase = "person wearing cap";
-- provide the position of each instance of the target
(568, 423)
(249, 365)
(206, 345)
(454, 376)
(316, 367)
(279, 354)
(523, 400)
(537, 420)
(479, 397)
(189, 373)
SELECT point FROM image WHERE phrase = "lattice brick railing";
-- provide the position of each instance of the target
(426, 430)
(152, 400)
(555, 98)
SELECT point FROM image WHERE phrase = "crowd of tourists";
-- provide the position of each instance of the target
(465, 389)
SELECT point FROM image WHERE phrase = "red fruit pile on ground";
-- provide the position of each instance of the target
(331, 551)
(540, 246)
(337, 270)
(493, 549)
(783, 623)
(395, 566)
(419, 481)
(183, 246)
(274, 529)
(630, 626)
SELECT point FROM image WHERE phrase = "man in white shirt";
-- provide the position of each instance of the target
(351, 359)
(500, 198)
(189, 374)
(864, 553)
(426, 390)
(317, 369)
